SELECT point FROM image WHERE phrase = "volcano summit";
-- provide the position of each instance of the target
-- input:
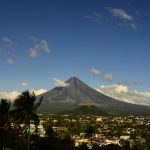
(78, 93)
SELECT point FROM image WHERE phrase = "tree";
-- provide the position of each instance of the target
(95, 147)
(4, 112)
(112, 147)
(83, 146)
(89, 132)
(50, 132)
(4, 122)
(25, 106)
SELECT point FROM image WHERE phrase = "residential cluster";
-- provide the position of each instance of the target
(134, 130)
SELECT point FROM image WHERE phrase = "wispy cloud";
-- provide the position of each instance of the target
(95, 71)
(122, 15)
(9, 46)
(108, 77)
(38, 46)
(128, 83)
(35, 42)
(24, 84)
(95, 17)
(104, 76)
(32, 53)
(10, 61)
(60, 83)
(121, 92)
(44, 46)
(8, 42)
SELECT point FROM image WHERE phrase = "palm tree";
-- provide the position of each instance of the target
(4, 111)
(4, 122)
(25, 106)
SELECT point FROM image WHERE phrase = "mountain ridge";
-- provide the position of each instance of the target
(78, 93)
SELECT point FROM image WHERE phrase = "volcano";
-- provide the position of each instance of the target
(77, 93)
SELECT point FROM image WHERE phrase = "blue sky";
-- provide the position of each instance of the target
(102, 42)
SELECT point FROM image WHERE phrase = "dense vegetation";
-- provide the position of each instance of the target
(85, 109)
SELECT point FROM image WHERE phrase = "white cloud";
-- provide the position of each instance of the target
(9, 95)
(24, 84)
(39, 91)
(38, 46)
(114, 89)
(121, 89)
(108, 77)
(32, 53)
(121, 92)
(13, 94)
(44, 46)
(96, 71)
(122, 15)
(60, 83)
(10, 61)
